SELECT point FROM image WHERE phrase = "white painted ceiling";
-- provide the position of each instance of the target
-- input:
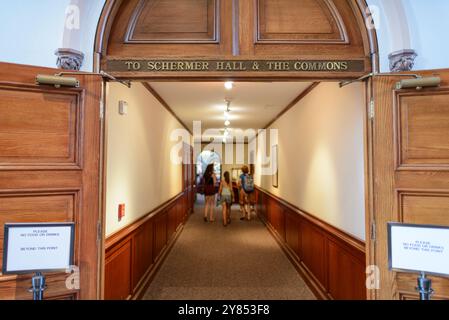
(253, 104)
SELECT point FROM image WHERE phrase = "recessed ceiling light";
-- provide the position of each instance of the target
(229, 85)
(227, 123)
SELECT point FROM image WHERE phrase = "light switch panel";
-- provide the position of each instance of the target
(123, 108)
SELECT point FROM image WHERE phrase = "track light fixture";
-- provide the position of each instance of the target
(229, 85)
(228, 110)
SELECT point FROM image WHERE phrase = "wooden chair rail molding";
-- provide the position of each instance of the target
(331, 261)
(135, 253)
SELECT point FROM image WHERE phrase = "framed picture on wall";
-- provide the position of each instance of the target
(275, 165)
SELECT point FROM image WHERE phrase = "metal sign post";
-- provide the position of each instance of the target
(424, 287)
(38, 286)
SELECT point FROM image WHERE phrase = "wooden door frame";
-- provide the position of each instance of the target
(23, 76)
(104, 26)
(382, 170)
(368, 177)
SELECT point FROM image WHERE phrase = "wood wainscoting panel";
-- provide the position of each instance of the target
(313, 251)
(292, 235)
(422, 129)
(346, 273)
(134, 254)
(277, 218)
(160, 233)
(142, 252)
(331, 261)
(40, 128)
(172, 221)
(173, 21)
(118, 273)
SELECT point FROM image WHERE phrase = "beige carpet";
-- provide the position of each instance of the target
(239, 262)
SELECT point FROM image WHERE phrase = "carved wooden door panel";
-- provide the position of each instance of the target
(49, 170)
(411, 170)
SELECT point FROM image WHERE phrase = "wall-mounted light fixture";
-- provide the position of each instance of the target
(227, 113)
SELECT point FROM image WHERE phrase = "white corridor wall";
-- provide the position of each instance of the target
(321, 157)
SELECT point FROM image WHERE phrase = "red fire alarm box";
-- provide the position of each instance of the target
(121, 211)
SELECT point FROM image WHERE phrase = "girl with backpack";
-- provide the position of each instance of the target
(209, 180)
(246, 186)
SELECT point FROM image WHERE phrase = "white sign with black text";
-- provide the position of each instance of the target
(418, 248)
(37, 247)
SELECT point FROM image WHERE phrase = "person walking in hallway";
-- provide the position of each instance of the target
(210, 182)
(226, 198)
(246, 192)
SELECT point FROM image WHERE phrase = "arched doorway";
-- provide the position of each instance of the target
(290, 40)
(236, 39)
(203, 160)
(206, 158)
(240, 41)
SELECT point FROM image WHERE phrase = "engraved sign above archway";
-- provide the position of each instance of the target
(239, 39)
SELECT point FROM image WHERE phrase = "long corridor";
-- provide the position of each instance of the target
(238, 262)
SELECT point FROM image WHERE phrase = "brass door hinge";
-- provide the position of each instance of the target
(373, 231)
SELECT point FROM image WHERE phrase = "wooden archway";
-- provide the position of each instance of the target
(239, 39)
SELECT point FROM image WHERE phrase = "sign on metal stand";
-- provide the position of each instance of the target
(38, 248)
(421, 249)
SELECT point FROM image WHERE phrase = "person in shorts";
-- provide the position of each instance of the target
(226, 198)
(246, 193)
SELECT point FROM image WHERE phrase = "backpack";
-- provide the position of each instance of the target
(248, 183)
